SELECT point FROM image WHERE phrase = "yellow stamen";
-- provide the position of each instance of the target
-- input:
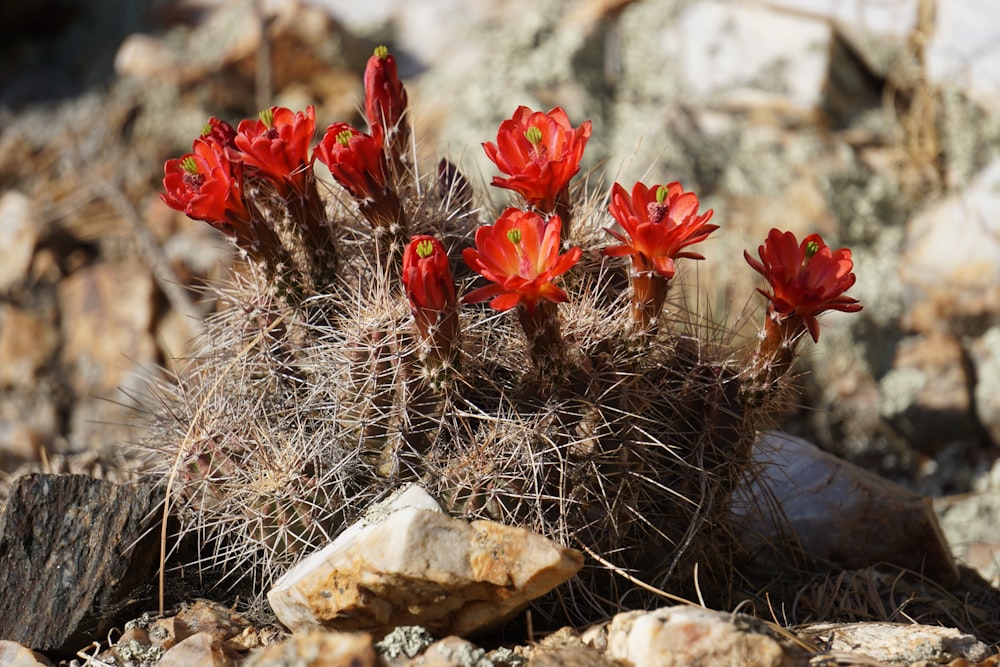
(811, 249)
(425, 249)
(189, 165)
(381, 52)
(533, 134)
(206, 130)
(661, 194)
(344, 137)
(514, 236)
(267, 117)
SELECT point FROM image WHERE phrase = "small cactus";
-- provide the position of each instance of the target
(348, 362)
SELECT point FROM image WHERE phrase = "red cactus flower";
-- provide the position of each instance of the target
(429, 286)
(355, 159)
(520, 255)
(806, 278)
(277, 146)
(540, 152)
(385, 97)
(205, 185)
(219, 132)
(659, 222)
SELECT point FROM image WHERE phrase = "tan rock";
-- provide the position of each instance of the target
(678, 636)
(421, 567)
(27, 342)
(317, 648)
(18, 235)
(898, 643)
(13, 654)
(146, 57)
(200, 650)
(107, 315)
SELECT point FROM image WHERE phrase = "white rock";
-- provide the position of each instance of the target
(837, 512)
(951, 263)
(18, 235)
(726, 46)
(13, 654)
(677, 636)
(985, 353)
(899, 643)
(421, 567)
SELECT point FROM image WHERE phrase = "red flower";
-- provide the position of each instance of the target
(520, 255)
(277, 146)
(205, 185)
(806, 279)
(540, 152)
(219, 132)
(385, 97)
(659, 222)
(427, 280)
(355, 159)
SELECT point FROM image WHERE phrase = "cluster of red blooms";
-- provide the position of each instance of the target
(229, 169)
(520, 254)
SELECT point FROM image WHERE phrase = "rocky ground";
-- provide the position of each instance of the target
(874, 123)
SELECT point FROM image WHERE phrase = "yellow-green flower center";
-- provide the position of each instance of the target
(189, 165)
(206, 129)
(381, 52)
(514, 236)
(661, 194)
(267, 117)
(812, 247)
(533, 134)
(344, 137)
(425, 248)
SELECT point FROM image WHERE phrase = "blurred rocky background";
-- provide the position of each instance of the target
(873, 122)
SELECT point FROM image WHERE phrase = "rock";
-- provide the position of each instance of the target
(19, 231)
(13, 654)
(74, 551)
(566, 648)
(107, 313)
(317, 648)
(146, 57)
(950, 266)
(27, 342)
(571, 657)
(971, 522)
(985, 355)
(204, 632)
(925, 397)
(29, 423)
(200, 650)
(787, 56)
(402, 644)
(421, 567)
(692, 635)
(452, 652)
(897, 643)
(836, 512)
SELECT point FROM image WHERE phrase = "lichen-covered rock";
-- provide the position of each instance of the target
(899, 643)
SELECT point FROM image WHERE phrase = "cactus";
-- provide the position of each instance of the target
(600, 412)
